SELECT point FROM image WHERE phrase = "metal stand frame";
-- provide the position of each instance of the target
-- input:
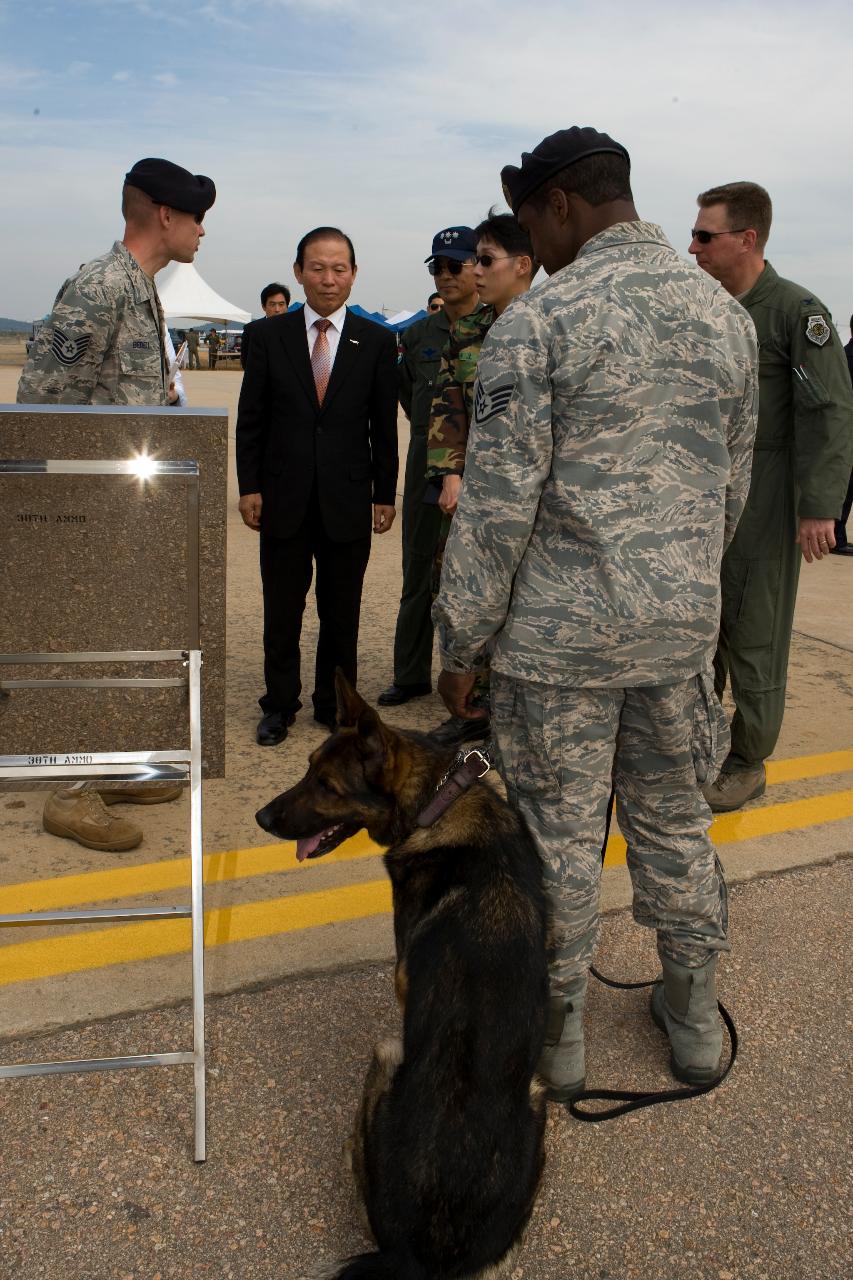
(129, 766)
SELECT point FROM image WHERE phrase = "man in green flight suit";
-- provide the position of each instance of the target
(800, 469)
(451, 264)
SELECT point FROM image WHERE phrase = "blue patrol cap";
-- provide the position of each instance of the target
(554, 153)
(167, 183)
(454, 242)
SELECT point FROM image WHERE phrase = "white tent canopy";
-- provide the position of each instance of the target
(401, 315)
(185, 296)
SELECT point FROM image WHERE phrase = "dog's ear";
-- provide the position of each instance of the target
(374, 745)
(350, 702)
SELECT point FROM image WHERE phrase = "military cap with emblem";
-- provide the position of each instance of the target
(459, 243)
(167, 183)
(554, 153)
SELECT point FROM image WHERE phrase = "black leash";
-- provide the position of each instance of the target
(636, 1100)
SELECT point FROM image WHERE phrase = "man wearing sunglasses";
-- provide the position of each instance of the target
(505, 269)
(614, 414)
(104, 343)
(800, 471)
(451, 264)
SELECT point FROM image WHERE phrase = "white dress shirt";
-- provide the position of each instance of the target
(333, 333)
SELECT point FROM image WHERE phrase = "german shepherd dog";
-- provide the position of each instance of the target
(448, 1145)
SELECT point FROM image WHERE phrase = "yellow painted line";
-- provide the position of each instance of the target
(799, 768)
(771, 820)
(98, 949)
(273, 859)
(172, 873)
(73, 953)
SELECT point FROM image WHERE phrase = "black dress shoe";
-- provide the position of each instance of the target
(328, 719)
(846, 550)
(396, 694)
(459, 729)
(272, 728)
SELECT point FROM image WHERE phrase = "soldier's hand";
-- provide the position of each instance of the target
(457, 689)
(451, 487)
(383, 517)
(250, 509)
(816, 538)
(173, 393)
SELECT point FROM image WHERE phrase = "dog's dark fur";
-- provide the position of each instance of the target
(448, 1146)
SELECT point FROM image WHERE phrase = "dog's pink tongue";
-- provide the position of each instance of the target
(305, 847)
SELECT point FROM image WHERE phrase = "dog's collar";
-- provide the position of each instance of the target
(465, 769)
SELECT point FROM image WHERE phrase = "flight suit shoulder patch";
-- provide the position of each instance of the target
(817, 330)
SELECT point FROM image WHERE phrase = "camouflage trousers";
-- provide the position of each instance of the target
(561, 750)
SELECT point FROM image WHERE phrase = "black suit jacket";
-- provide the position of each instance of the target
(245, 339)
(287, 442)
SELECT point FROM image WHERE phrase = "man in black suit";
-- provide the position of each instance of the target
(316, 448)
(275, 299)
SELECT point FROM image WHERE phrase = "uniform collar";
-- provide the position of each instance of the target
(143, 284)
(634, 232)
(765, 282)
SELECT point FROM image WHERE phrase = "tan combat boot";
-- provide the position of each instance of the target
(82, 816)
(733, 788)
(140, 793)
(562, 1065)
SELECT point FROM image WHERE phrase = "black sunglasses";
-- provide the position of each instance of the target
(705, 237)
(486, 259)
(447, 264)
(435, 306)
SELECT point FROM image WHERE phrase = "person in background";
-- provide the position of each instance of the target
(193, 361)
(800, 471)
(214, 342)
(275, 299)
(317, 469)
(451, 264)
(434, 303)
(105, 342)
(505, 269)
(842, 546)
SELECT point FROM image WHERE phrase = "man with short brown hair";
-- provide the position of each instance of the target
(800, 469)
(105, 343)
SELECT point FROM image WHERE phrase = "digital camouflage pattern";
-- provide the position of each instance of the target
(801, 468)
(607, 466)
(560, 750)
(103, 340)
(453, 395)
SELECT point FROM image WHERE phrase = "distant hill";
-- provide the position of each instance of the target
(14, 326)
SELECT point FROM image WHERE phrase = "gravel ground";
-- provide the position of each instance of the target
(753, 1181)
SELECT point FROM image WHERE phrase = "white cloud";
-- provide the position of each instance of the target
(374, 117)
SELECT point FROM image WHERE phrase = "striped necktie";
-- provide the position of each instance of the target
(321, 358)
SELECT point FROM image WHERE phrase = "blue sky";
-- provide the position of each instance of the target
(393, 120)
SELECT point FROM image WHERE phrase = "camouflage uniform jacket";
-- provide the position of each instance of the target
(608, 464)
(453, 396)
(103, 340)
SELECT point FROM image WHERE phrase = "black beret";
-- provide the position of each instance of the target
(168, 183)
(553, 154)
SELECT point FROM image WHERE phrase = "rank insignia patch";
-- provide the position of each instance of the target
(817, 330)
(488, 404)
(69, 350)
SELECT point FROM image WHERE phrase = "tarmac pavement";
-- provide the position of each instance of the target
(96, 1175)
(751, 1182)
